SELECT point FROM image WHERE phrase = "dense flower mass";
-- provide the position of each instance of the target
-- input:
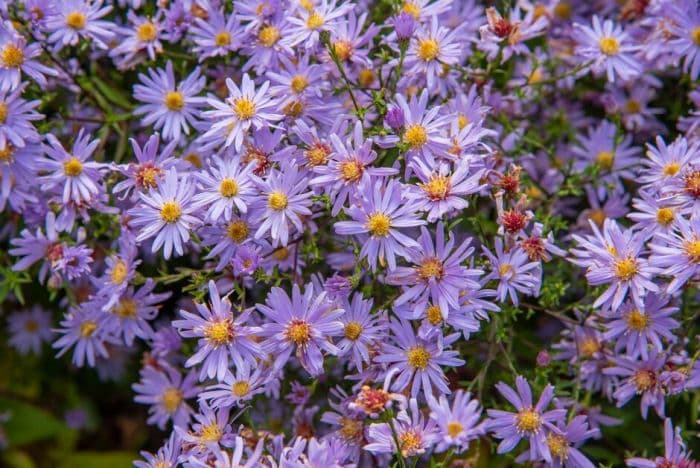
(323, 233)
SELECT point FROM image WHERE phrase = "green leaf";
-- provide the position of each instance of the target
(28, 423)
(98, 460)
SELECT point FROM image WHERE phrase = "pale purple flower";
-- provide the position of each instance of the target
(674, 451)
(414, 433)
(72, 20)
(457, 424)
(225, 186)
(29, 329)
(513, 271)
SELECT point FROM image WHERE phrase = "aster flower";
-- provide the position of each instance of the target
(221, 336)
(677, 254)
(639, 377)
(225, 459)
(324, 16)
(130, 315)
(237, 387)
(304, 323)
(83, 328)
(225, 238)
(225, 186)
(379, 214)
(513, 270)
(166, 456)
(362, 330)
(564, 442)
(17, 57)
(150, 166)
(244, 108)
(507, 36)
(433, 48)
(412, 432)
(41, 245)
(16, 117)
(169, 106)
(163, 388)
(655, 214)
(29, 329)
(246, 260)
(685, 31)
(416, 362)
(669, 162)
(608, 48)
(166, 213)
(71, 172)
(459, 424)
(72, 20)
(674, 451)
(216, 35)
(140, 40)
(350, 43)
(120, 270)
(209, 432)
(531, 422)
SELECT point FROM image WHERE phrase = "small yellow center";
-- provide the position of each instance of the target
(644, 380)
(4, 112)
(598, 216)
(462, 121)
(430, 268)
(609, 45)
(171, 398)
(692, 250)
(412, 9)
(126, 309)
(588, 346)
(535, 76)
(170, 212)
(418, 357)
(222, 39)
(174, 100)
(87, 328)
(228, 188)
(528, 420)
(343, 50)
(671, 169)
(379, 225)
(277, 201)
(605, 160)
(31, 326)
(281, 254)
(244, 108)
(637, 321)
(454, 428)
(76, 20)
(12, 56)
(315, 21)
(437, 188)
(410, 443)
(318, 154)
(219, 333)
(147, 32)
(695, 35)
(6, 153)
(268, 36)
(146, 176)
(633, 106)
(299, 83)
(664, 216)
(350, 429)
(505, 269)
(626, 269)
(562, 10)
(558, 445)
(119, 272)
(428, 49)
(365, 77)
(237, 231)
(240, 389)
(299, 332)
(434, 314)
(416, 136)
(73, 167)
(210, 433)
(353, 330)
(351, 170)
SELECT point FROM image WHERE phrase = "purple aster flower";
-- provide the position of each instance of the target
(166, 213)
(163, 388)
(246, 260)
(139, 41)
(433, 48)
(38, 246)
(507, 36)
(323, 16)
(609, 49)
(563, 443)
(655, 214)
(29, 329)
(150, 166)
(286, 200)
(304, 323)
(221, 336)
(216, 35)
(225, 186)
(514, 272)
(678, 253)
(227, 237)
(71, 172)
(666, 164)
(438, 276)
(72, 20)
(269, 45)
(244, 108)
(120, 270)
(684, 26)
(166, 456)
(16, 116)
(380, 212)
(351, 40)
(209, 432)
(133, 310)
(16, 57)
(73, 263)
(169, 106)
(83, 328)
(225, 459)
(459, 424)
(674, 451)
(531, 422)
(363, 330)
(416, 361)
(636, 330)
(237, 387)
(640, 377)
(412, 432)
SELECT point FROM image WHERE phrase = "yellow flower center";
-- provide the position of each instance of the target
(379, 225)
(431, 268)
(437, 188)
(434, 314)
(244, 108)
(237, 231)
(588, 347)
(277, 201)
(418, 357)
(146, 176)
(281, 254)
(240, 389)
(350, 429)
(126, 308)
(299, 332)
(174, 100)
(119, 272)
(353, 330)
(416, 136)
(454, 428)
(462, 121)
(412, 9)
(428, 49)
(528, 420)
(222, 39)
(73, 167)
(308, 5)
(505, 269)
(671, 169)
(293, 108)
(6, 153)
(4, 111)
(558, 445)
(535, 76)
(171, 398)
(633, 106)
(147, 32)
(598, 216)
(228, 188)
(210, 433)
(365, 77)
(219, 333)
(318, 154)
(609, 45)
(692, 250)
(605, 160)
(637, 321)
(644, 380)
(268, 36)
(31, 326)
(87, 328)
(695, 35)
(194, 159)
(170, 212)
(562, 10)
(664, 216)
(351, 170)
(299, 83)
(342, 49)
(315, 21)
(409, 443)
(626, 269)
(12, 56)
(76, 20)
